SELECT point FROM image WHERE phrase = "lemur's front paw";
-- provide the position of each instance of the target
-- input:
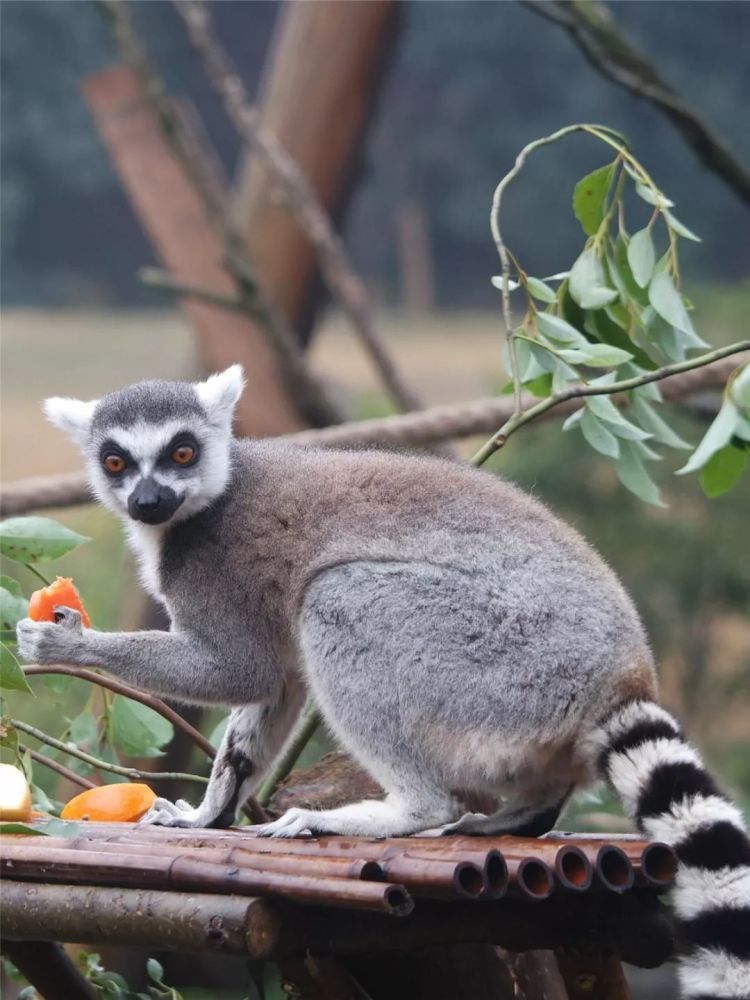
(51, 642)
(179, 813)
(293, 823)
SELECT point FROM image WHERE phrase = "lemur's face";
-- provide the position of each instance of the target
(155, 451)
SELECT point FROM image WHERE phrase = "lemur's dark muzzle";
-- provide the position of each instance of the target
(152, 503)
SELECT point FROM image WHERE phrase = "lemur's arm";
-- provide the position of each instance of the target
(173, 664)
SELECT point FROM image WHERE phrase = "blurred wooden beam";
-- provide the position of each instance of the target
(318, 89)
(184, 240)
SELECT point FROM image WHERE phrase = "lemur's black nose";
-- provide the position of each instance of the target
(152, 502)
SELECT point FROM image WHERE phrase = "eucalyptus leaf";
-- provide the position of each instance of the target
(13, 605)
(138, 730)
(541, 386)
(681, 229)
(8, 735)
(596, 355)
(546, 358)
(722, 470)
(659, 428)
(28, 831)
(597, 435)
(634, 476)
(652, 197)
(642, 256)
(668, 303)
(606, 410)
(716, 437)
(587, 282)
(621, 266)
(573, 420)
(590, 197)
(33, 539)
(540, 290)
(559, 329)
(12, 678)
(738, 389)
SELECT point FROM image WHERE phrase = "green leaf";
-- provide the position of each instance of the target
(558, 329)
(596, 355)
(606, 410)
(587, 282)
(59, 828)
(651, 197)
(716, 437)
(12, 678)
(633, 475)
(590, 197)
(540, 290)
(681, 229)
(528, 367)
(722, 470)
(597, 435)
(84, 730)
(138, 730)
(155, 970)
(600, 325)
(32, 539)
(575, 418)
(13, 605)
(8, 735)
(668, 303)
(642, 256)
(29, 831)
(659, 428)
(541, 386)
(619, 265)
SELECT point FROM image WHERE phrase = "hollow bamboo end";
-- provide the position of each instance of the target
(573, 869)
(469, 879)
(398, 900)
(535, 879)
(614, 870)
(658, 864)
(496, 875)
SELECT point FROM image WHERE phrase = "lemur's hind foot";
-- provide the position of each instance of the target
(531, 821)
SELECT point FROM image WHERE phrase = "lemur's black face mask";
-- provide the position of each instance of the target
(152, 502)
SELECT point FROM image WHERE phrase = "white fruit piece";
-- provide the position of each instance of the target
(15, 795)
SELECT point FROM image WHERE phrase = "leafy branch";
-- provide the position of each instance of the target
(619, 309)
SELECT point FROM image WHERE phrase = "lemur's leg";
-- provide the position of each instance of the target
(531, 819)
(253, 736)
(348, 659)
(173, 664)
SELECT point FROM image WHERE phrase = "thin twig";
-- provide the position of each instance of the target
(54, 765)
(38, 575)
(127, 772)
(580, 391)
(303, 203)
(595, 31)
(309, 721)
(304, 388)
(119, 687)
(154, 277)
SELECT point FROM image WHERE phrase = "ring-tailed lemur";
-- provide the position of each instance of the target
(455, 634)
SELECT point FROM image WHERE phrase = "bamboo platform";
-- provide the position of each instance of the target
(233, 892)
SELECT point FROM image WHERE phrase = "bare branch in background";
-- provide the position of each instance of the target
(306, 391)
(301, 200)
(595, 31)
(439, 423)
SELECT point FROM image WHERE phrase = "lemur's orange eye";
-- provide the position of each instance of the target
(183, 455)
(114, 464)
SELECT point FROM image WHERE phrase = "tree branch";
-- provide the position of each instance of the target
(594, 30)
(54, 765)
(301, 200)
(119, 687)
(440, 423)
(580, 391)
(306, 390)
(127, 772)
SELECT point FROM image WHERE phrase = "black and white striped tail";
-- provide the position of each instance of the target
(667, 791)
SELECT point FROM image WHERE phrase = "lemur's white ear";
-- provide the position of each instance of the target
(73, 416)
(220, 392)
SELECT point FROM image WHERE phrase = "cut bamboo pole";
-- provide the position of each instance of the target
(23, 861)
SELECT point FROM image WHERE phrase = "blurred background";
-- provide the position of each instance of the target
(454, 90)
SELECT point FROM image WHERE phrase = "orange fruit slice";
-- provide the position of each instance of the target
(42, 603)
(122, 803)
